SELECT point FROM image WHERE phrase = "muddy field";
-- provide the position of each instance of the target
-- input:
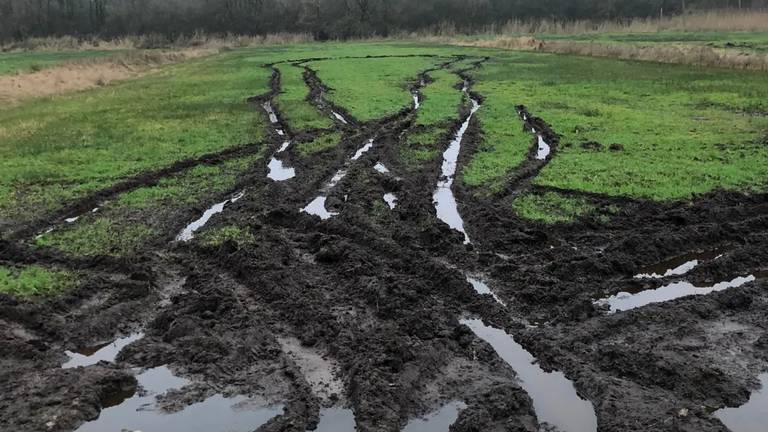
(372, 296)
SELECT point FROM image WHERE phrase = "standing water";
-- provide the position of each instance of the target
(277, 169)
(217, 413)
(336, 420)
(188, 233)
(750, 417)
(679, 265)
(445, 201)
(271, 112)
(543, 151)
(104, 352)
(438, 421)
(391, 200)
(554, 398)
(339, 117)
(416, 103)
(624, 301)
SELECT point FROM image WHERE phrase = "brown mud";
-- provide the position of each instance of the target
(362, 310)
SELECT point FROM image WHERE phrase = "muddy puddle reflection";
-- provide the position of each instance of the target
(391, 200)
(625, 301)
(317, 206)
(381, 168)
(271, 112)
(543, 150)
(340, 117)
(103, 352)
(482, 288)
(444, 200)
(678, 265)
(138, 411)
(278, 171)
(752, 416)
(438, 421)
(416, 102)
(188, 233)
(336, 420)
(554, 397)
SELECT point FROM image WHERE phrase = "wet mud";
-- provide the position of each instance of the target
(368, 320)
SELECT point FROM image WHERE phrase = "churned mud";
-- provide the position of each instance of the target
(348, 302)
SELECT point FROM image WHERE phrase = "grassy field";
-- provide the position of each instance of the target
(756, 41)
(34, 281)
(58, 149)
(636, 129)
(31, 61)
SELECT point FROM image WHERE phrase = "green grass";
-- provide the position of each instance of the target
(321, 143)
(371, 88)
(441, 99)
(504, 145)
(217, 236)
(420, 145)
(35, 281)
(21, 62)
(57, 149)
(124, 226)
(551, 207)
(756, 41)
(292, 101)
(682, 128)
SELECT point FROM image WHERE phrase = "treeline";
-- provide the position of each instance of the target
(324, 19)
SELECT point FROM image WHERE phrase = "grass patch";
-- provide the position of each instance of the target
(441, 99)
(551, 207)
(321, 143)
(292, 101)
(33, 61)
(35, 281)
(420, 145)
(124, 226)
(371, 88)
(215, 237)
(55, 150)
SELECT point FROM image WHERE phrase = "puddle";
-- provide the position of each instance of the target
(554, 398)
(391, 200)
(381, 168)
(336, 420)
(268, 108)
(188, 233)
(72, 219)
(750, 417)
(482, 288)
(416, 103)
(317, 208)
(543, 151)
(339, 117)
(678, 265)
(438, 421)
(103, 352)
(217, 413)
(362, 150)
(445, 201)
(281, 132)
(279, 172)
(624, 301)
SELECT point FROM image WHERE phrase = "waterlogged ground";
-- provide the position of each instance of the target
(388, 237)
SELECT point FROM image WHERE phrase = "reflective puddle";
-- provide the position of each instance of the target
(270, 111)
(543, 151)
(391, 200)
(339, 117)
(381, 168)
(444, 200)
(752, 416)
(438, 421)
(317, 206)
(416, 103)
(678, 265)
(625, 301)
(482, 288)
(336, 420)
(138, 410)
(278, 171)
(188, 233)
(554, 397)
(104, 352)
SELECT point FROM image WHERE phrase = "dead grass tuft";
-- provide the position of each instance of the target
(89, 73)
